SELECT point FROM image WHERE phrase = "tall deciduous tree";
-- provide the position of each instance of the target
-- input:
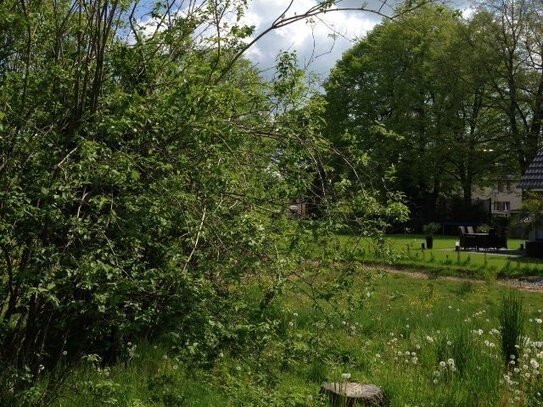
(410, 96)
(512, 30)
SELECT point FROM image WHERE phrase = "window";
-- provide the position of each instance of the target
(509, 186)
(502, 206)
(501, 186)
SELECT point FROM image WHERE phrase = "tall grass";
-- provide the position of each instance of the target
(511, 325)
(397, 340)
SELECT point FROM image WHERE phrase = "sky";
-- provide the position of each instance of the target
(320, 43)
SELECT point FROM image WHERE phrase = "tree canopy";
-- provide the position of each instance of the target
(424, 97)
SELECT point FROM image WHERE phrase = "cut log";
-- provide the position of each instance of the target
(354, 394)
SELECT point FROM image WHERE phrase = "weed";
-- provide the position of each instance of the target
(511, 325)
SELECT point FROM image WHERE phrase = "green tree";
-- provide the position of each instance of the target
(144, 175)
(409, 96)
(510, 33)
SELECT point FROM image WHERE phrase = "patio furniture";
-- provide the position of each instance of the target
(481, 240)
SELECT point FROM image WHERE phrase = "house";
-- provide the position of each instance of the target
(505, 196)
(532, 181)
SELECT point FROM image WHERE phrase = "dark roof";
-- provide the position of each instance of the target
(533, 177)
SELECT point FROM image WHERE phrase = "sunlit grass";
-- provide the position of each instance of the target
(406, 250)
(425, 342)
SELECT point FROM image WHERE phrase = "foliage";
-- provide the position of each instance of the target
(531, 213)
(428, 96)
(144, 176)
(431, 228)
(507, 33)
(511, 327)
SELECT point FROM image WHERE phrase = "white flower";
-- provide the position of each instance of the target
(539, 320)
(345, 376)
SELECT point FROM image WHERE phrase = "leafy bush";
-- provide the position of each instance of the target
(431, 228)
(143, 181)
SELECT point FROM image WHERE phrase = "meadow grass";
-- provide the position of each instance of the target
(426, 342)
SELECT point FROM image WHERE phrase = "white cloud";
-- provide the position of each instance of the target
(468, 12)
(318, 42)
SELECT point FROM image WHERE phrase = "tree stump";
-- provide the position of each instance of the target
(354, 394)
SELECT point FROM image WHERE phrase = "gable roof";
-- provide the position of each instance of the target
(533, 177)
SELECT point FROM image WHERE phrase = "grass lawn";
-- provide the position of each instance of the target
(405, 250)
(425, 342)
